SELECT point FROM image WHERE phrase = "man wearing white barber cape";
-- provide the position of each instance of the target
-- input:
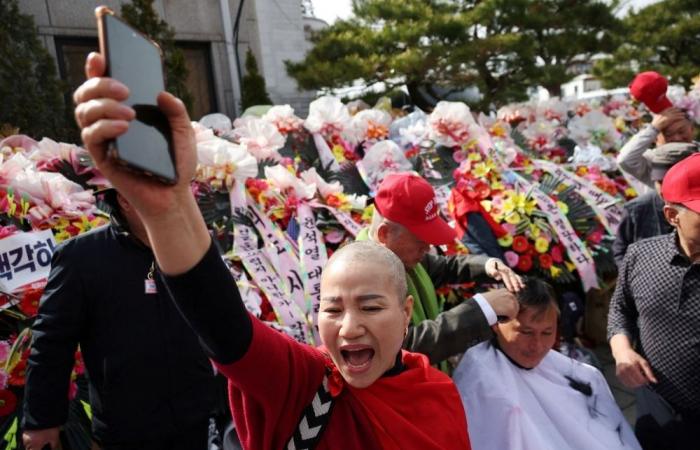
(521, 394)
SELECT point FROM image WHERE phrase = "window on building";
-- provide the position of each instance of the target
(71, 53)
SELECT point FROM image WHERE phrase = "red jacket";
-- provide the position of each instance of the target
(277, 378)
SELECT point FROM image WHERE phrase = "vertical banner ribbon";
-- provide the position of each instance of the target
(312, 252)
(260, 265)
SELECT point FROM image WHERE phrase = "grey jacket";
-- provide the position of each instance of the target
(459, 328)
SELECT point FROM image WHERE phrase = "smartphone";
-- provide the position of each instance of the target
(136, 61)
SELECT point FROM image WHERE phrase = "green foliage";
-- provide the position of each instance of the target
(501, 46)
(664, 37)
(31, 95)
(253, 90)
(141, 15)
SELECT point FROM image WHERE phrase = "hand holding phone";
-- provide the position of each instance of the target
(135, 61)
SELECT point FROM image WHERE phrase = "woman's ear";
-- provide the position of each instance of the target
(408, 309)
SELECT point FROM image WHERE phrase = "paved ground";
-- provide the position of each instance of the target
(623, 395)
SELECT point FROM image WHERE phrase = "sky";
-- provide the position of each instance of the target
(330, 10)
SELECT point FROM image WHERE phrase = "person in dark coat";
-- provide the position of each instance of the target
(151, 384)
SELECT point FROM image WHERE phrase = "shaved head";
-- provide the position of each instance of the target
(368, 253)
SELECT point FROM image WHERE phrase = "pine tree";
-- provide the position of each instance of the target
(141, 15)
(663, 37)
(502, 47)
(31, 95)
(253, 91)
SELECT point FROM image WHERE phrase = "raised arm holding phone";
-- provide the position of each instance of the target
(359, 391)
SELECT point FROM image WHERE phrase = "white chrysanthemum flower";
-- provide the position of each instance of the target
(259, 137)
(311, 177)
(594, 128)
(283, 180)
(283, 117)
(327, 115)
(451, 124)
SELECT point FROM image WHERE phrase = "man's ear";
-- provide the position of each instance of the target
(383, 233)
(671, 215)
(124, 204)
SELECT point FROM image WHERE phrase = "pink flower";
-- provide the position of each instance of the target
(512, 258)
(509, 227)
(459, 156)
(4, 350)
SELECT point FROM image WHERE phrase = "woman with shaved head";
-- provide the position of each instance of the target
(360, 391)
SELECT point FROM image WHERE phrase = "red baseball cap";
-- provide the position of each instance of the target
(650, 89)
(682, 183)
(409, 200)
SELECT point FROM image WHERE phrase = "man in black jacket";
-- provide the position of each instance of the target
(644, 216)
(151, 385)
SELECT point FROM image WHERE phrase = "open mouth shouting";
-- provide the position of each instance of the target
(357, 357)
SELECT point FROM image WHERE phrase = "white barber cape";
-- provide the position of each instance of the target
(509, 408)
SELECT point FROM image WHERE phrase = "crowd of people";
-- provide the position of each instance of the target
(371, 383)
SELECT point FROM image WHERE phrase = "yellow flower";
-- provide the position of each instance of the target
(563, 207)
(620, 124)
(497, 186)
(481, 170)
(555, 271)
(570, 266)
(487, 205)
(509, 205)
(498, 130)
(339, 153)
(534, 231)
(541, 245)
(61, 236)
(530, 206)
(630, 192)
(513, 218)
(368, 213)
(506, 241)
(474, 156)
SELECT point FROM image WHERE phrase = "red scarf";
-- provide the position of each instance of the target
(419, 408)
(463, 204)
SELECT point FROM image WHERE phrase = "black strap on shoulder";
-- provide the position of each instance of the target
(313, 420)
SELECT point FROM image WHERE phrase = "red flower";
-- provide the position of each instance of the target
(8, 402)
(525, 263)
(334, 201)
(545, 261)
(29, 304)
(18, 373)
(520, 244)
(557, 254)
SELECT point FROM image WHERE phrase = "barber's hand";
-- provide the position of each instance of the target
(633, 370)
(498, 270)
(503, 302)
(38, 439)
(667, 117)
(101, 117)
